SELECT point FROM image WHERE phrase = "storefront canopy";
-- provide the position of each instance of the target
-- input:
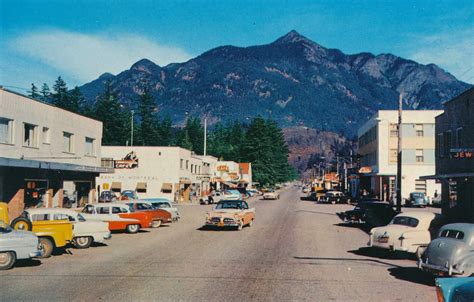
(141, 186)
(167, 186)
(185, 181)
(116, 186)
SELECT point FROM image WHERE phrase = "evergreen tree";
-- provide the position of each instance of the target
(149, 134)
(34, 94)
(76, 101)
(60, 97)
(45, 93)
(196, 134)
(165, 132)
(183, 139)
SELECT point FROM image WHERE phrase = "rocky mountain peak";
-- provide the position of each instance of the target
(145, 65)
(293, 37)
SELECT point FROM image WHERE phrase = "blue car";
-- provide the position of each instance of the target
(417, 199)
(455, 289)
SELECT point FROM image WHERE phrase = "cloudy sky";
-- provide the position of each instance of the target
(81, 39)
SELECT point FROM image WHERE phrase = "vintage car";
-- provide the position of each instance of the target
(217, 196)
(165, 204)
(84, 231)
(159, 216)
(455, 289)
(370, 213)
(407, 232)
(231, 213)
(15, 245)
(417, 199)
(119, 216)
(452, 253)
(334, 197)
(107, 196)
(271, 194)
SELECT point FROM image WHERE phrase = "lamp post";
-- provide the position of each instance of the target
(131, 129)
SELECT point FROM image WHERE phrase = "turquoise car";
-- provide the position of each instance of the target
(455, 289)
(417, 199)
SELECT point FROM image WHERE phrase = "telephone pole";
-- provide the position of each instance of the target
(399, 154)
(205, 136)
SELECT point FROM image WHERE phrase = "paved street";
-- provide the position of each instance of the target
(294, 251)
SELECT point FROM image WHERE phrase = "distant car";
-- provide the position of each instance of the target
(372, 214)
(165, 204)
(452, 253)
(334, 197)
(107, 196)
(455, 289)
(417, 199)
(408, 232)
(128, 195)
(217, 196)
(310, 197)
(15, 245)
(231, 213)
(271, 194)
(305, 190)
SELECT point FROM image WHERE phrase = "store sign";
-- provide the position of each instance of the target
(462, 153)
(365, 170)
(234, 176)
(223, 168)
(130, 161)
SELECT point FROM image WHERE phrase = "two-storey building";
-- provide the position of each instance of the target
(44, 151)
(378, 139)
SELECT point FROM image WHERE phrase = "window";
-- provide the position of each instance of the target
(419, 155)
(452, 234)
(6, 131)
(192, 168)
(408, 221)
(60, 217)
(90, 146)
(68, 143)
(459, 141)
(393, 130)
(419, 129)
(46, 135)
(39, 217)
(103, 210)
(30, 134)
(187, 164)
(181, 163)
(393, 156)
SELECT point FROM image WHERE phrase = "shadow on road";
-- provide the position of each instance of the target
(98, 244)
(347, 259)
(360, 226)
(382, 254)
(412, 274)
(216, 229)
(316, 212)
(27, 263)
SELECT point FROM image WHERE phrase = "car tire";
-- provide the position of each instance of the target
(46, 247)
(333, 202)
(419, 252)
(82, 242)
(132, 228)
(240, 226)
(21, 224)
(7, 260)
(157, 224)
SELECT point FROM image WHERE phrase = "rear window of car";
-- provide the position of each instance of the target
(452, 234)
(407, 221)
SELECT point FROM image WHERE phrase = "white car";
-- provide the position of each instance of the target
(166, 205)
(16, 245)
(84, 231)
(271, 195)
(407, 232)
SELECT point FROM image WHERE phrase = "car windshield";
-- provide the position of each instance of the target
(404, 220)
(452, 234)
(228, 205)
(417, 195)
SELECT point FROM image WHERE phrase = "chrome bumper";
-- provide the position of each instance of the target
(35, 254)
(432, 268)
(108, 236)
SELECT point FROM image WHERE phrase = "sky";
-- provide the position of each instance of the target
(82, 39)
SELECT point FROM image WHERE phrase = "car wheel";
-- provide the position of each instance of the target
(82, 242)
(132, 228)
(45, 247)
(156, 224)
(333, 202)
(7, 260)
(21, 224)
(419, 252)
(240, 226)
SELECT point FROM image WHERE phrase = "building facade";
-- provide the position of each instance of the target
(455, 157)
(378, 139)
(48, 156)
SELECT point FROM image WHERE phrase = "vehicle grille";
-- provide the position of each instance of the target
(216, 219)
(228, 220)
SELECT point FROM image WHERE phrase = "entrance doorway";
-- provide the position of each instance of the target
(36, 193)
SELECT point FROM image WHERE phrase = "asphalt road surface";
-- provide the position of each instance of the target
(294, 251)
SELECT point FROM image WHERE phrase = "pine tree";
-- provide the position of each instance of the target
(60, 97)
(45, 93)
(165, 132)
(183, 139)
(149, 134)
(196, 134)
(76, 101)
(34, 92)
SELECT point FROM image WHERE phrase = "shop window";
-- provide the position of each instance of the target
(419, 129)
(419, 155)
(6, 131)
(46, 135)
(68, 142)
(90, 146)
(30, 134)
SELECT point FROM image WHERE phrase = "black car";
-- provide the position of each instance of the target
(311, 197)
(373, 213)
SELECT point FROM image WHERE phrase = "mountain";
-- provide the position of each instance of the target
(293, 80)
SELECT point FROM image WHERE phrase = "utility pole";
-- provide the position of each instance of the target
(205, 136)
(399, 154)
(131, 130)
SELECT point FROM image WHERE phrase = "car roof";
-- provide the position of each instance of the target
(133, 201)
(51, 211)
(108, 204)
(419, 214)
(466, 228)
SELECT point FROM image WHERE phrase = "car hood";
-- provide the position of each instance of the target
(225, 213)
(442, 250)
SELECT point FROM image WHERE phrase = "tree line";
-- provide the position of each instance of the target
(260, 141)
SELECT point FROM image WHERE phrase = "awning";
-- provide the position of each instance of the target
(185, 181)
(141, 186)
(243, 181)
(447, 176)
(116, 186)
(167, 186)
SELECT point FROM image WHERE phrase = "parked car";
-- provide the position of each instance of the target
(119, 216)
(107, 196)
(452, 253)
(271, 194)
(84, 232)
(371, 213)
(15, 245)
(128, 195)
(217, 196)
(231, 213)
(455, 289)
(407, 232)
(165, 204)
(159, 216)
(310, 197)
(334, 197)
(53, 230)
(417, 199)
(305, 190)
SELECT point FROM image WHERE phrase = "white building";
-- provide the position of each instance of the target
(43, 150)
(378, 150)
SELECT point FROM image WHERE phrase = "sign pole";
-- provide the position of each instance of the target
(399, 154)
